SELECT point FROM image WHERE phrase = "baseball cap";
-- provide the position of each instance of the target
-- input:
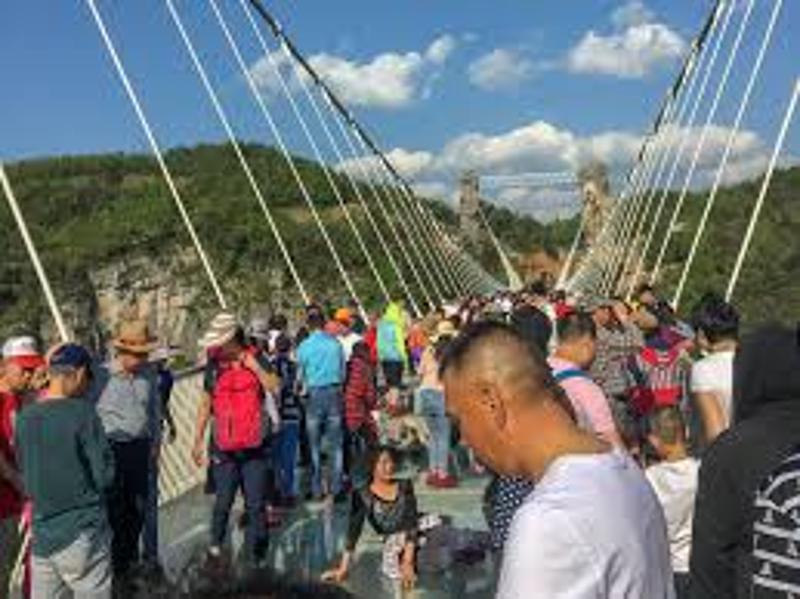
(70, 356)
(23, 352)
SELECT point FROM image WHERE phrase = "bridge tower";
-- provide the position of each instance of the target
(469, 207)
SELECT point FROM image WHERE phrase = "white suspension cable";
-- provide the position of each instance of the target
(762, 51)
(573, 248)
(243, 162)
(720, 91)
(762, 194)
(356, 160)
(312, 142)
(381, 197)
(514, 280)
(33, 254)
(428, 219)
(417, 213)
(688, 128)
(407, 221)
(667, 140)
(176, 196)
(276, 134)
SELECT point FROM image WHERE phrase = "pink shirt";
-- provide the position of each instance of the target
(587, 398)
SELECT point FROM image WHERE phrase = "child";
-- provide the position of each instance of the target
(67, 467)
(361, 399)
(674, 479)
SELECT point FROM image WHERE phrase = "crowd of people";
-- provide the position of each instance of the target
(628, 452)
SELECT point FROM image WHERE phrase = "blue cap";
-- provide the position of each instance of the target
(70, 355)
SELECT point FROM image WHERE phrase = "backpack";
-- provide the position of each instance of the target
(237, 402)
(658, 379)
(776, 533)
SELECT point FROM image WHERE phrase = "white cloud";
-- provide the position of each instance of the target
(544, 147)
(500, 69)
(390, 80)
(637, 46)
(631, 14)
(441, 49)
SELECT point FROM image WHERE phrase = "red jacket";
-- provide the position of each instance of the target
(360, 395)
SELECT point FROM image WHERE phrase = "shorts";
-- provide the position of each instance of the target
(393, 373)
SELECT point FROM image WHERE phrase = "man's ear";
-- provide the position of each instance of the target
(496, 403)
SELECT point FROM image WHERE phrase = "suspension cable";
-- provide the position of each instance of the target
(176, 196)
(721, 87)
(315, 148)
(573, 248)
(688, 129)
(667, 140)
(243, 162)
(391, 191)
(33, 254)
(358, 162)
(787, 119)
(276, 134)
(604, 264)
(728, 148)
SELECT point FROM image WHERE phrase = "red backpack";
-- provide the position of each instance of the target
(237, 402)
(658, 377)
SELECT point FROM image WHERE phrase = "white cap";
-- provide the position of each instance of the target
(23, 350)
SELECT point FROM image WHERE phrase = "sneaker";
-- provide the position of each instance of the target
(215, 552)
(448, 482)
(432, 480)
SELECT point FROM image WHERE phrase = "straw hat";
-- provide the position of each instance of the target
(222, 329)
(445, 328)
(134, 337)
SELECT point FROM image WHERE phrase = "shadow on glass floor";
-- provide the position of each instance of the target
(312, 540)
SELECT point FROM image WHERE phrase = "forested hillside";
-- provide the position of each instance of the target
(88, 213)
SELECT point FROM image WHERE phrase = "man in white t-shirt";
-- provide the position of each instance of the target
(674, 479)
(592, 528)
(717, 327)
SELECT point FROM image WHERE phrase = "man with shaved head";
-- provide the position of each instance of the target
(592, 527)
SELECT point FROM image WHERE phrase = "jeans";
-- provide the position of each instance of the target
(359, 445)
(325, 408)
(127, 500)
(430, 405)
(232, 470)
(150, 532)
(284, 451)
(82, 570)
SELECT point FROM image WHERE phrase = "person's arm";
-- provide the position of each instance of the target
(97, 452)
(11, 475)
(711, 414)
(716, 529)
(201, 424)
(358, 513)
(602, 419)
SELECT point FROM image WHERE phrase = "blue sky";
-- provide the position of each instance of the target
(504, 87)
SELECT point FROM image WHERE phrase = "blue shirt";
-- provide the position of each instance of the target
(321, 360)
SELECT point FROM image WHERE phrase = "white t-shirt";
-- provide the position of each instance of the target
(675, 484)
(348, 342)
(714, 374)
(592, 529)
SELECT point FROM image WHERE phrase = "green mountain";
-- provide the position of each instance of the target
(88, 214)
